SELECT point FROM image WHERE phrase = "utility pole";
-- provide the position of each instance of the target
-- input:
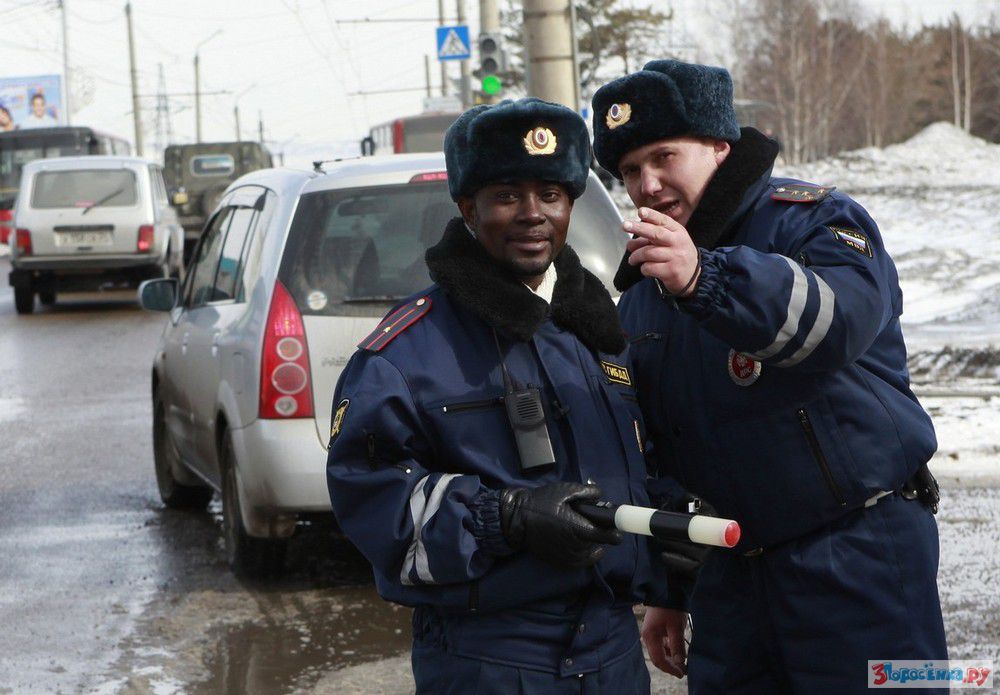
(466, 82)
(549, 51)
(427, 73)
(197, 100)
(444, 63)
(136, 112)
(197, 86)
(236, 111)
(65, 33)
(260, 127)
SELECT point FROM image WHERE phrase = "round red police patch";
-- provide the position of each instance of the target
(743, 369)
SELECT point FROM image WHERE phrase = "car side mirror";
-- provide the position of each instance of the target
(180, 197)
(159, 294)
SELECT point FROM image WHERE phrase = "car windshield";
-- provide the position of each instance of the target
(357, 251)
(83, 188)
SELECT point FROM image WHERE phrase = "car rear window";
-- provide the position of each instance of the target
(353, 251)
(358, 251)
(82, 188)
(213, 165)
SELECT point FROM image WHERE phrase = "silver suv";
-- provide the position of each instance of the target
(83, 222)
(293, 270)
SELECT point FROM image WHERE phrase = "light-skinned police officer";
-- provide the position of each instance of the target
(764, 317)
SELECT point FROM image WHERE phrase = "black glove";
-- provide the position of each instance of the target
(543, 521)
(683, 558)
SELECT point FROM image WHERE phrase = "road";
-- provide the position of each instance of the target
(104, 590)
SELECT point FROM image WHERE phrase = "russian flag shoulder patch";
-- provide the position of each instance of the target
(854, 239)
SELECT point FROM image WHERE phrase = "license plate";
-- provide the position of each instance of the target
(84, 238)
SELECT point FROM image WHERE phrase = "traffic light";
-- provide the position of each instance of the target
(491, 63)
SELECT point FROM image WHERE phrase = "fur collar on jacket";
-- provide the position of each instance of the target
(714, 221)
(580, 302)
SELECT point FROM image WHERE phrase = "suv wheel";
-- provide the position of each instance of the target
(166, 459)
(249, 557)
(24, 300)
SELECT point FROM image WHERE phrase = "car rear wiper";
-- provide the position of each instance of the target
(102, 200)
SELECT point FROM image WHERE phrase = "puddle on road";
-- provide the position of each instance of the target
(266, 656)
(207, 632)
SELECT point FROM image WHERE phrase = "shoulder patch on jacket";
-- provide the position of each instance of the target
(395, 323)
(853, 238)
(801, 193)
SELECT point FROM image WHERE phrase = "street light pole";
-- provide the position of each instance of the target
(65, 47)
(197, 86)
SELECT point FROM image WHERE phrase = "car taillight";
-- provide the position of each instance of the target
(285, 388)
(145, 242)
(6, 217)
(23, 242)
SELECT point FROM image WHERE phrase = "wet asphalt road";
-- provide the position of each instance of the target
(103, 590)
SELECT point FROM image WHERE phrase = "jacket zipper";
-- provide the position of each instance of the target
(472, 405)
(810, 433)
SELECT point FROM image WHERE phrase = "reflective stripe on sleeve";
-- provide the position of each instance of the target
(422, 510)
(796, 305)
(827, 303)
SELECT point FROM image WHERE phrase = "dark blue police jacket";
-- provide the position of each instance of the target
(779, 390)
(421, 448)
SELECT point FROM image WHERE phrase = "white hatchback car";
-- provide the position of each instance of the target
(83, 222)
(293, 269)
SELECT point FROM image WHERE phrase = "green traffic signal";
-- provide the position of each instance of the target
(491, 85)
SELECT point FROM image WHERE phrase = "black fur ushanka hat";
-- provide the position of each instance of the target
(666, 99)
(527, 139)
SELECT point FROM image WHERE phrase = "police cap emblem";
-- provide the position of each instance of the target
(617, 115)
(743, 369)
(540, 140)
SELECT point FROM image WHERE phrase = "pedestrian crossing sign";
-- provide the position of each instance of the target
(453, 43)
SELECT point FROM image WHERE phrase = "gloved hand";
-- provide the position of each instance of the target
(543, 521)
(683, 559)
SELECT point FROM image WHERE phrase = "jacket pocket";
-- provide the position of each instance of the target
(817, 452)
(465, 406)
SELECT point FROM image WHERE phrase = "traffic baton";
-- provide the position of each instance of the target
(668, 526)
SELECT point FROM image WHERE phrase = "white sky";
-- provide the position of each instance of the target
(295, 61)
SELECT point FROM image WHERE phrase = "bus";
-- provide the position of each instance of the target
(18, 147)
(421, 133)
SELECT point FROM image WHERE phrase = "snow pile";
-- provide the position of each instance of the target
(939, 156)
(936, 199)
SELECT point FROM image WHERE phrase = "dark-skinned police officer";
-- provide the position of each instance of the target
(472, 418)
(764, 323)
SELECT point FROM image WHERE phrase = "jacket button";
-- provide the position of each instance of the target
(568, 662)
(581, 628)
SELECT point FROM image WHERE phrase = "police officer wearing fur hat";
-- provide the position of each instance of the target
(469, 422)
(764, 322)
